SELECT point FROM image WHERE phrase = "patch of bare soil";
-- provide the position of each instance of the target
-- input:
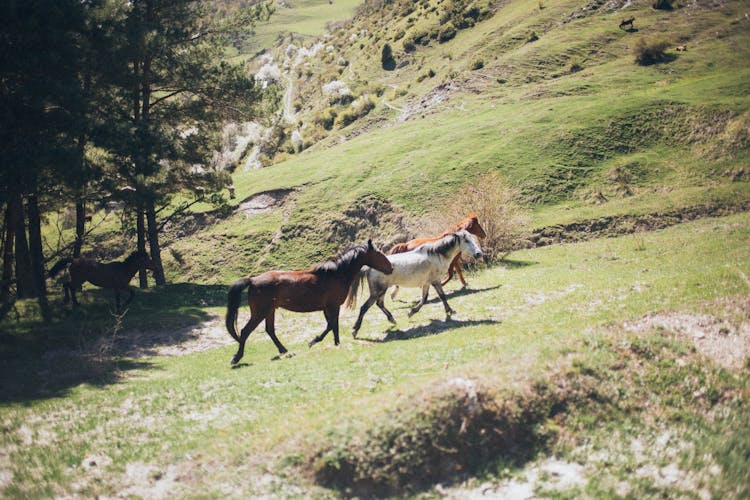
(724, 339)
(263, 202)
(618, 225)
(367, 217)
(550, 475)
(193, 338)
(438, 95)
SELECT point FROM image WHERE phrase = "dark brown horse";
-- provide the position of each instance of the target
(114, 275)
(323, 287)
(470, 224)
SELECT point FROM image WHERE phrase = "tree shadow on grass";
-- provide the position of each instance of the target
(434, 327)
(84, 345)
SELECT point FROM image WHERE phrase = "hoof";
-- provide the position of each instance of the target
(236, 360)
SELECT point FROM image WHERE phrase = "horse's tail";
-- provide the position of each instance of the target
(398, 248)
(61, 264)
(351, 298)
(233, 305)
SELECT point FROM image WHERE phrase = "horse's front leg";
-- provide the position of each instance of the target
(441, 294)
(271, 331)
(414, 310)
(72, 294)
(455, 266)
(244, 334)
(130, 296)
(381, 304)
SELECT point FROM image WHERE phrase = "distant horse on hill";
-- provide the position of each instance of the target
(419, 268)
(470, 224)
(321, 288)
(627, 22)
(114, 275)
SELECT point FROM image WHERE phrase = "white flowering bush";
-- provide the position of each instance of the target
(337, 92)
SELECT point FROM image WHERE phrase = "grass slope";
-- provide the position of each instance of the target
(547, 330)
(192, 425)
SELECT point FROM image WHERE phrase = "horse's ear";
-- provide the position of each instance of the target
(369, 244)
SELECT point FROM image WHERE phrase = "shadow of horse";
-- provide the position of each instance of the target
(461, 292)
(434, 327)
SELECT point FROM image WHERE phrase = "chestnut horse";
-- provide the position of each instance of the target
(114, 275)
(321, 288)
(470, 224)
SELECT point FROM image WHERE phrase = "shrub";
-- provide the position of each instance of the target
(447, 32)
(325, 118)
(346, 117)
(662, 5)
(500, 215)
(477, 64)
(386, 58)
(650, 52)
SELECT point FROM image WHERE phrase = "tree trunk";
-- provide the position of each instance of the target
(24, 282)
(37, 257)
(153, 241)
(80, 228)
(8, 238)
(141, 234)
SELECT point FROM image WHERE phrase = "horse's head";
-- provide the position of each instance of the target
(377, 259)
(472, 225)
(469, 244)
(142, 258)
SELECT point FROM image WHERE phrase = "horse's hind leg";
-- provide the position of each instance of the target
(441, 294)
(271, 331)
(414, 310)
(244, 334)
(332, 325)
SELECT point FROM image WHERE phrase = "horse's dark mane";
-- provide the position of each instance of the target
(443, 245)
(342, 261)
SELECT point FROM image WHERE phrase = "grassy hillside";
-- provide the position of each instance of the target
(616, 365)
(609, 137)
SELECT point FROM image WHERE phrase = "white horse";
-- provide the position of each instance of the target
(424, 266)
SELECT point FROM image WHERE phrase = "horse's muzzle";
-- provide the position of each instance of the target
(478, 255)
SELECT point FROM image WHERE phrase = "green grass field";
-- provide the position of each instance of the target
(622, 359)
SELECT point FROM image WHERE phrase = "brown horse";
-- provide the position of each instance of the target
(323, 287)
(114, 275)
(470, 224)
